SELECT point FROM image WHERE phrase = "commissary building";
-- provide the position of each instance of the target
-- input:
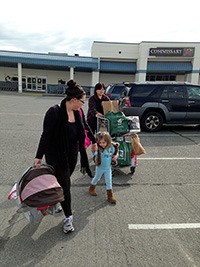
(110, 62)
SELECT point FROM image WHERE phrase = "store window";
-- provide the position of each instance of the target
(15, 80)
(160, 77)
(36, 83)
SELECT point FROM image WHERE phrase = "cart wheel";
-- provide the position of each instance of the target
(132, 169)
(113, 171)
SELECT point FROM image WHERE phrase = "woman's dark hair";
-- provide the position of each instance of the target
(74, 90)
(99, 86)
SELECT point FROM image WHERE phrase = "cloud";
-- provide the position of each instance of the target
(50, 41)
(71, 27)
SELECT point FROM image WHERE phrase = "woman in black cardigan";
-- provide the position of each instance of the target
(62, 137)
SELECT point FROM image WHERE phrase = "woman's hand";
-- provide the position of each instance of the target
(99, 114)
(37, 161)
(94, 147)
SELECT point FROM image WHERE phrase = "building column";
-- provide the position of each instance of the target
(95, 75)
(19, 69)
(194, 78)
(95, 80)
(71, 76)
(142, 62)
(141, 70)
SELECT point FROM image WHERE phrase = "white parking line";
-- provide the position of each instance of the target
(172, 134)
(21, 114)
(169, 158)
(163, 226)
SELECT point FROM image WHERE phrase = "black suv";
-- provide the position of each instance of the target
(116, 90)
(158, 103)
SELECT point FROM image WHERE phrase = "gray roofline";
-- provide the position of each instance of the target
(48, 59)
(168, 42)
(101, 42)
(150, 42)
(46, 54)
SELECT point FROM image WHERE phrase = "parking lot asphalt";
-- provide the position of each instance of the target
(156, 221)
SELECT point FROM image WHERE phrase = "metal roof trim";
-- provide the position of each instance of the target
(118, 66)
(169, 66)
(46, 59)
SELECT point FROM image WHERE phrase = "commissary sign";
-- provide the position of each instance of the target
(172, 52)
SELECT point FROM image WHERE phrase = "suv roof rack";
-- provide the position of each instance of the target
(161, 82)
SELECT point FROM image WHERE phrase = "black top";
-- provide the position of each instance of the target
(94, 107)
(73, 135)
(59, 137)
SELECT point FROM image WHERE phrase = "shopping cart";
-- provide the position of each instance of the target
(103, 124)
(124, 140)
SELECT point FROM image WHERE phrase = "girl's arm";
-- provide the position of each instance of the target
(115, 152)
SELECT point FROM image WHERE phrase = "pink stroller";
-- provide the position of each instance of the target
(37, 192)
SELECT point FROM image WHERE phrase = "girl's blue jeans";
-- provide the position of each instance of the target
(107, 175)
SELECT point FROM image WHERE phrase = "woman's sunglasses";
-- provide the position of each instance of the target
(81, 101)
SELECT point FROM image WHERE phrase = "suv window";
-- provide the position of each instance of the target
(117, 89)
(193, 92)
(172, 92)
(142, 90)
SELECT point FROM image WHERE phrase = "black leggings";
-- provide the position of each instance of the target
(63, 177)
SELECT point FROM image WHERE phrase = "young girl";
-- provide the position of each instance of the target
(106, 154)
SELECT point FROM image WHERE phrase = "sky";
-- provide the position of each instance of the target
(71, 26)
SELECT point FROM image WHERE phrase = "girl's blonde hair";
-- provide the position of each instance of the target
(107, 138)
(104, 136)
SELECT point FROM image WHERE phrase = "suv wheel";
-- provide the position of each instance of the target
(152, 122)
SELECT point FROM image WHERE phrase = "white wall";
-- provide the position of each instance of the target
(181, 78)
(4, 71)
(112, 50)
(115, 78)
(83, 78)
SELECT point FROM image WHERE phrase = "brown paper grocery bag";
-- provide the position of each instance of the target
(137, 147)
(111, 105)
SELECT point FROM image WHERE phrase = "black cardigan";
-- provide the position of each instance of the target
(54, 142)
